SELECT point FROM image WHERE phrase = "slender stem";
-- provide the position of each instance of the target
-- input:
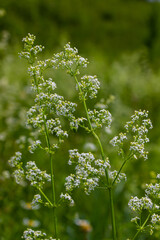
(119, 172)
(53, 197)
(52, 180)
(103, 158)
(100, 145)
(129, 157)
(89, 121)
(112, 214)
(44, 195)
(51, 168)
(141, 228)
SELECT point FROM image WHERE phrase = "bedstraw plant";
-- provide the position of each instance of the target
(46, 119)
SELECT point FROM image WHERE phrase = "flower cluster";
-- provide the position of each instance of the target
(153, 190)
(30, 52)
(117, 141)
(150, 203)
(137, 204)
(67, 197)
(70, 60)
(98, 118)
(89, 86)
(155, 218)
(19, 175)
(15, 160)
(88, 171)
(75, 123)
(138, 127)
(40, 116)
(29, 171)
(36, 144)
(121, 176)
(48, 104)
(30, 234)
(36, 177)
(36, 201)
(54, 127)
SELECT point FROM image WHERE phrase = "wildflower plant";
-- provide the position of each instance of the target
(90, 171)
(150, 203)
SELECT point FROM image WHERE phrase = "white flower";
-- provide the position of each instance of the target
(121, 176)
(15, 160)
(155, 218)
(67, 197)
(89, 86)
(158, 176)
(31, 234)
(34, 146)
(36, 177)
(98, 118)
(88, 171)
(19, 175)
(36, 201)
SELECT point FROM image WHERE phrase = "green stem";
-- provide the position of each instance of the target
(112, 214)
(52, 180)
(119, 172)
(129, 157)
(103, 158)
(44, 195)
(141, 228)
(52, 171)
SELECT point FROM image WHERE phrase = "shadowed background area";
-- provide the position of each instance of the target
(121, 39)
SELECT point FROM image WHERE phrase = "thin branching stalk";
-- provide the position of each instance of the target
(112, 213)
(141, 227)
(123, 164)
(51, 170)
(44, 195)
(103, 158)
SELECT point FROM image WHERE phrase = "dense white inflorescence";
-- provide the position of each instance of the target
(150, 203)
(36, 177)
(31, 234)
(36, 201)
(15, 160)
(138, 127)
(88, 171)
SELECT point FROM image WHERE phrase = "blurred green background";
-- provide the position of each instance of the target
(121, 39)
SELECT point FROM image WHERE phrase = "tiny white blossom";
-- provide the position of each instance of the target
(121, 176)
(34, 146)
(98, 118)
(67, 197)
(155, 218)
(89, 86)
(36, 177)
(15, 160)
(36, 201)
(88, 171)
(19, 175)
(31, 234)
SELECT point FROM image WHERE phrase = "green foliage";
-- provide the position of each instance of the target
(110, 27)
